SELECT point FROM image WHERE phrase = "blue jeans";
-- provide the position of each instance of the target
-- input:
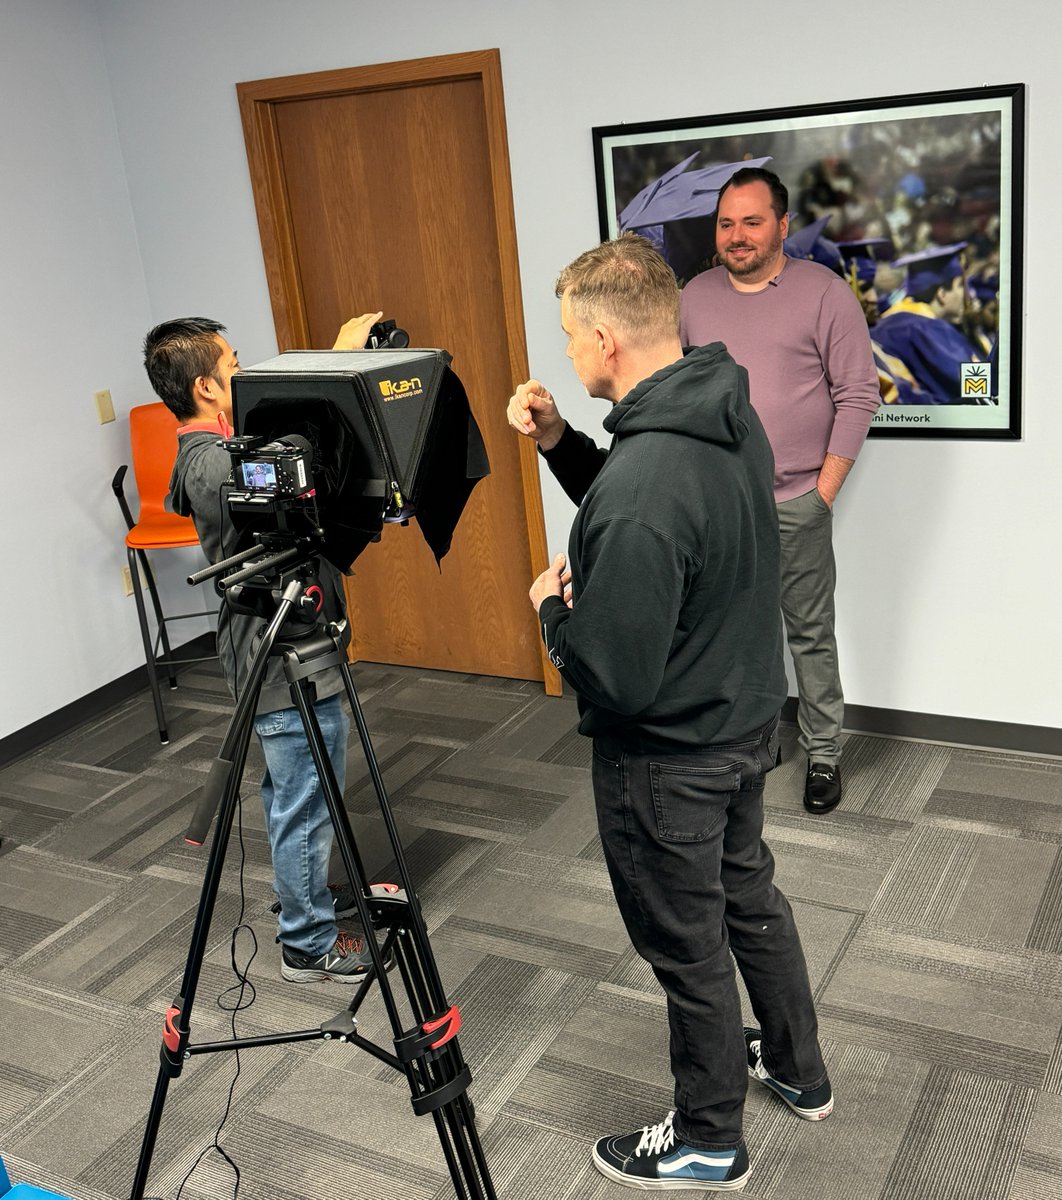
(298, 823)
(682, 835)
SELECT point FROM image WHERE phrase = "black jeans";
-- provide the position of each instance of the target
(682, 835)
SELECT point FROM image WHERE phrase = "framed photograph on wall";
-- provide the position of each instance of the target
(917, 201)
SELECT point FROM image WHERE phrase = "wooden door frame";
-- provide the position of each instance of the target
(258, 100)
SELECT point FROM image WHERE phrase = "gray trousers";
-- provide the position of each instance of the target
(808, 579)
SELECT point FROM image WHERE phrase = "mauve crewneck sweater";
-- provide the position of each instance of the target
(803, 340)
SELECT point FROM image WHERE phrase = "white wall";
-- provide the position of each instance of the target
(73, 306)
(948, 551)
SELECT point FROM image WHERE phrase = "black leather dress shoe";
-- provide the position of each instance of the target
(822, 791)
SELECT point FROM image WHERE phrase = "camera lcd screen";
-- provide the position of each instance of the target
(260, 475)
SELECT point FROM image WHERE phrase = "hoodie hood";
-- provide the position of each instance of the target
(716, 412)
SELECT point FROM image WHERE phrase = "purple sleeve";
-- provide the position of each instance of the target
(848, 362)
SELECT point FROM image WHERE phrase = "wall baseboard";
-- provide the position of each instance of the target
(95, 704)
(859, 718)
(933, 727)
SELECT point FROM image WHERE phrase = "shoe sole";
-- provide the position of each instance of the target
(668, 1185)
(819, 809)
(315, 975)
(808, 1114)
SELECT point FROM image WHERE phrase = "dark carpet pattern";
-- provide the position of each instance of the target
(930, 905)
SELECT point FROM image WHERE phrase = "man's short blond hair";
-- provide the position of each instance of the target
(625, 283)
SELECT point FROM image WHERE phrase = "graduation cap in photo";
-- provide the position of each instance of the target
(933, 268)
(681, 194)
(984, 285)
(862, 256)
(633, 215)
(811, 242)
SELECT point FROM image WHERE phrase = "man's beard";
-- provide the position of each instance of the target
(749, 266)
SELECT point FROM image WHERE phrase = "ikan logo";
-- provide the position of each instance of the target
(395, 390)
(973, 380)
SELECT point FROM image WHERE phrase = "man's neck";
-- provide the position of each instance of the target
(639, 365)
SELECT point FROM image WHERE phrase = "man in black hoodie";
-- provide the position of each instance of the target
(665, 621)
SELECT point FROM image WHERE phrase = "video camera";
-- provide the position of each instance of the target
(273, 485)
(331, 444)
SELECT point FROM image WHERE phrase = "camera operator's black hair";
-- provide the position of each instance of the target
(176, 354)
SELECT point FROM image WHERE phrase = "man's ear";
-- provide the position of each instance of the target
(205, 389)
(206, 394)
(606, 343)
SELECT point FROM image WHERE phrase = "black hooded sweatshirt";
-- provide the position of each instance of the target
(674, 639)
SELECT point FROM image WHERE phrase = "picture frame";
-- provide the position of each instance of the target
(893, 178)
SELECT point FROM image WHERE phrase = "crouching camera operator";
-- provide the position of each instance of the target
(191, 365)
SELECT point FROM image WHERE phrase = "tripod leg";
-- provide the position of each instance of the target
(435, 1069)
(178, 1019)
(224, 781)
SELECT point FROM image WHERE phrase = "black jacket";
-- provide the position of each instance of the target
(674, 640)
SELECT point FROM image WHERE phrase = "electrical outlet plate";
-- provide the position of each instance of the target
(127, 580)
(104, 406)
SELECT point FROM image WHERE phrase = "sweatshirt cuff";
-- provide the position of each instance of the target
(551, 604)
(563, 450)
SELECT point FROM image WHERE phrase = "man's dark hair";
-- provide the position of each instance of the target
(928, 294)
(176, 354)
(745, 175)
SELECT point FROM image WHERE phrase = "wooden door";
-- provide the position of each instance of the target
(387, 187)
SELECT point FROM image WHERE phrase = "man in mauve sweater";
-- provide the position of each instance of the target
(801, 335)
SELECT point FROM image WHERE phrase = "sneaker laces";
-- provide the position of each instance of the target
(657, 1139)
(759, 1071)
(346, 944)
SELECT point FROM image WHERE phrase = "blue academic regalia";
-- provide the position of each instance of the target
(930, 347)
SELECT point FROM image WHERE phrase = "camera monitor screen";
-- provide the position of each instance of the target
(260, 476)
(391, 432)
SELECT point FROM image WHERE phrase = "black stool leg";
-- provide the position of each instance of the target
(149, 647)
(167, 653)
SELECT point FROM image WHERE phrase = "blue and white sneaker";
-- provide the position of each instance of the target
(653, 1159)
(813, 1104)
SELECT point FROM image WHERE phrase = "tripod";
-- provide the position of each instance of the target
(427, 1053)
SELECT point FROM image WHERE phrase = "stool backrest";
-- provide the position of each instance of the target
(153, 434)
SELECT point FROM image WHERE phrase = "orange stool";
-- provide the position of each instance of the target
(153, 434)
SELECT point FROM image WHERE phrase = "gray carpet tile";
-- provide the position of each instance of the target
(964, 1139)
(929, 904)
